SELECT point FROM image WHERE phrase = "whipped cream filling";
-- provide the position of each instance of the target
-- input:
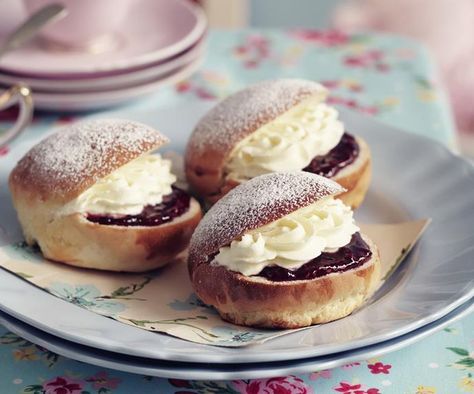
(125, 191)
(291, 241)
(288, 143)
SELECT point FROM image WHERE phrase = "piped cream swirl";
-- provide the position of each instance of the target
(288, 143)
(291, 241)
(125, 191)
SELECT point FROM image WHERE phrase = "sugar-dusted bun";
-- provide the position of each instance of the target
(69, 162)
(218, 133)
(255, 300)
(233, 119)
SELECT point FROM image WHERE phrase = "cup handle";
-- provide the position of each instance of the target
(21, 95)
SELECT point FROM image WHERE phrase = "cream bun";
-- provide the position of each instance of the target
(280, 251)
(93, 195)
(279, 125)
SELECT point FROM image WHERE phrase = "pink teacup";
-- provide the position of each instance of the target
(89, 24)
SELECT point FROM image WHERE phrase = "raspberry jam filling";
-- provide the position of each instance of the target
(343, 154)
(351, 256)
(173, 205)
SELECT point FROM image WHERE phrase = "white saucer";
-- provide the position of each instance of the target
(155, 30)
(107, 82)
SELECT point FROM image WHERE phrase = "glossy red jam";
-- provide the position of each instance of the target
(351, 256)
(336, 159)
(173, 205)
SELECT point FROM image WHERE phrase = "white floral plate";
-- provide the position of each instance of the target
(206, 371)
(414, 177)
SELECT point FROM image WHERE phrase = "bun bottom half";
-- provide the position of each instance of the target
(258, 302)
(75, 241)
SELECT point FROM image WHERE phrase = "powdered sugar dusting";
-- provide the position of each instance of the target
(75, 157)
(245, 111)
(255, 203)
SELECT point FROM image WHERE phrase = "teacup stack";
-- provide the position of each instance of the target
(103, 52)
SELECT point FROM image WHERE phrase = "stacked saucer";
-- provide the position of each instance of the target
(161, 42)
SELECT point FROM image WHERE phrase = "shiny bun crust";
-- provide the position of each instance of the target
(258, 302)
(355, 178)
(67, 163)
(233, 119)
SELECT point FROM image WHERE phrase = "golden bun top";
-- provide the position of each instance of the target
(70, 161)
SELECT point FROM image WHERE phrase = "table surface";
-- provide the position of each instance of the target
(386, 76)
